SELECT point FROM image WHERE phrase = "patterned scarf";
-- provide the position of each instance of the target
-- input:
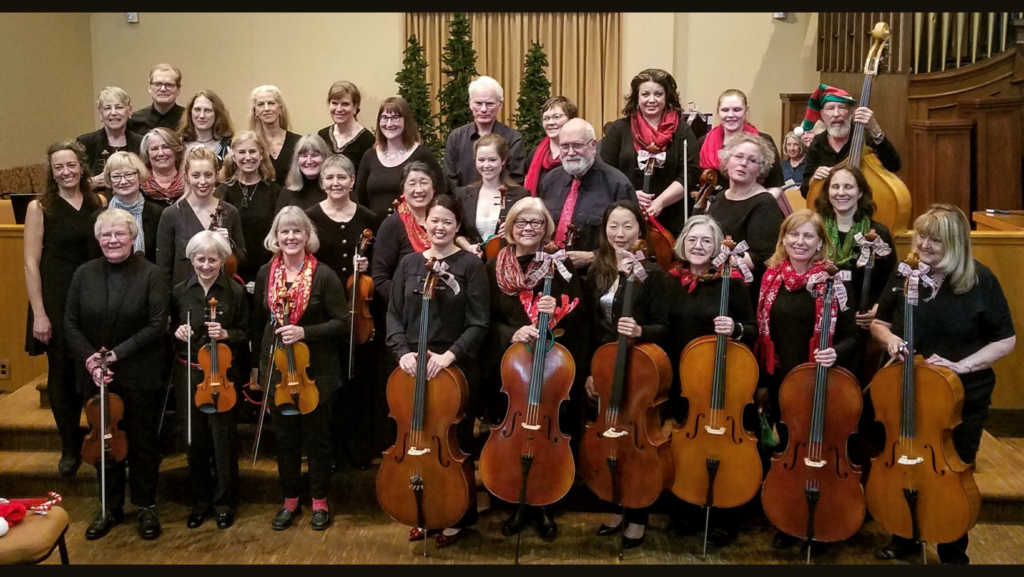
(136, 211)
(844, 254)
(151, 189)
(298, 294)
(714, 142)
(513, 281)
(417, 234)
(773, 279)
(644, 135)
(689, 280)
(541, 161)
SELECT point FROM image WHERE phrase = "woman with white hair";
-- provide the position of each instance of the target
(213, 453)
(119, 302)
(269, 119)
(123, 174)
(319, 318)
(115, 108)
(302, 186)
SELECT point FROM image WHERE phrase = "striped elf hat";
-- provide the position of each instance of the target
(822, 94)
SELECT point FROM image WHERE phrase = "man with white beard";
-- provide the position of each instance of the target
(833, 145)
(580, 189)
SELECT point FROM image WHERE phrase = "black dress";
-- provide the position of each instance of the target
(256, 210)
(756, 220)
(284, 158)
(467, 197)
(774, 177)
(353, 149)
(307, 196)
(378, 185)
(178, 224)
(67, 238)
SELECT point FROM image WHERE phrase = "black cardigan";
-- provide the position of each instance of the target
(178, 224)
(133, 327)
(150, 222)
(467, 197)
(392, 243)
(96, 144)
(326, 323)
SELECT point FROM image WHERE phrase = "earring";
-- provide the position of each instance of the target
(817, 249)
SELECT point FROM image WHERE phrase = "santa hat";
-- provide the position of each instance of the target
(822, 94)
(13, 511)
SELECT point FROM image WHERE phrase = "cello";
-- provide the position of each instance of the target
(216, 394)
(296, 393)
(919, 488)
(715, 459)
(624, 456)
(106, 443)
(425, 479)
(702, 197)
(217, 221)
(493, 244)
(889, 192)
(536, 380)
(662, 241)
(361, 287)
(813, 491)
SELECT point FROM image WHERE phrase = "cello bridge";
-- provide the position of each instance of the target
(905, 460)
(530, 427)
(417, 452)
(816, 464)
(613, 434)
(713, 431)
(215, 384)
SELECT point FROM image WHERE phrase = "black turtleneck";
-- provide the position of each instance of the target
(304, 198)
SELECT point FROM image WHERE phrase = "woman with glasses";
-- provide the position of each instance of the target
(115, 108)
(302, 187)
(556, 111)
(346, 135)
(269, 119)
(482, 202)
(746, 210)
(379, 176)
(123, 173)
(207, 123)
(249, 186)
(162, 152)
(653, 126)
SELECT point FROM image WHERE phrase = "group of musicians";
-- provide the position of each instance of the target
(135, 272)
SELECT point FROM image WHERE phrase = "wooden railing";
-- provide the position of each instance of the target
(947, 40)
(845, 37)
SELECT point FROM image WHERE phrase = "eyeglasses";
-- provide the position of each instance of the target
(119, 235)
(163, 85)
(389, 118)
(127, 177)
(520, 224)
(702, 241)
(574, 146)
(552, 118)
(745, 159)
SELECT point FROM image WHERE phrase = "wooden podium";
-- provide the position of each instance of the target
(992, 221)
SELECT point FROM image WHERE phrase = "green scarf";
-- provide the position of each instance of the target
(845, 254)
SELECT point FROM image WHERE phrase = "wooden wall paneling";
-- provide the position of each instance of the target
(1002, 252)
(997, 151)
(939, 167)
(933, 95)
(822, 57)
(794, 108)
(14, 312)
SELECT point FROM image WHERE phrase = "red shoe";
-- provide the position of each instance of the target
(417, 534)
(443, 540)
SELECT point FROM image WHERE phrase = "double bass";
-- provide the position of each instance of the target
(624, 456)
(105, 443)
(716, 460)
(493, 243)
(813, 491)
(425, 479)
(361, 291)
(216, 394)
(297, 392)
(217, 221)
(702, 196)
(919, 488)
(536, 380)
(889, 192)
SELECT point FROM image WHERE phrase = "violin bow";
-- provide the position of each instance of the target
(266, 392)
(188, 371)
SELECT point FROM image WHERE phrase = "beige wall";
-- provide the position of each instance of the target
(301, 53)
(45, 83)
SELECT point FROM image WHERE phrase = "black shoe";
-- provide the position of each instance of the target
(284, 518)
(197, 517)
(720, 537)
(102, 524)
(149, 524)
(546, 525)
(784, 540)
(515, 523)
(681, 527)
(898, 550)
(69, 463)
(225, 520)
(605, 530)
(321, 519)
(630, 543)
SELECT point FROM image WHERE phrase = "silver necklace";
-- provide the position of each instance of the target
(397, 154)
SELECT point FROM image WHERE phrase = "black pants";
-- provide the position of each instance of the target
(312, 432)
(356, 409)
(66, 401)
(213, 454)
(464, 434)
(141, 415)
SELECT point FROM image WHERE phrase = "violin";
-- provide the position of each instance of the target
(493, 244)
(106, 443)
(716, 460)
(813, 491)
(425, 479)
(571, 231)
(526, 458)
(889, 192)
(919, 488)
(624, 458)
(217, 221)
(662, 241)
(216, 394)
(702, 196)
(296, 393)
(361, 291)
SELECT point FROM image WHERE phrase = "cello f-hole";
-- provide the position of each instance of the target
(696, 427)
(839, 472)
(791, 465)
(510, 428)
(636, 436)
(440, 457)
(400, 455)
(734, 428)
(935, 466)
(551, 435)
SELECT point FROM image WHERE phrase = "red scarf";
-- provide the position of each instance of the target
(541, 161)
(151, 189)
(298, 294)
(714, 142)
(417, 234)
(512, 280)
(644, 135)
(773, 279)
(690, 280)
